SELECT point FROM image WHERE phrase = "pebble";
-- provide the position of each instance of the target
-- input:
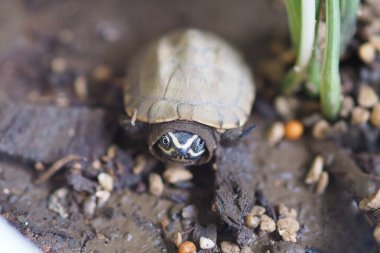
(39, 166)
(89, 205)
(288, 228)
(246, 249)
(140, 165)
(177, 173)
(156, 186)
(267, 224)
(206, 243)
(315, 170)
(321, 129)
(58, 202)
(375, 41)
(80, 87)
(283, 107)
(359, 116)
(251, 221)
(189, 211)
(367, 52)
(275, 133)
(322, 183)
(375, 116)
(367, 96)
(177, 239)
(285, 212)
(376, 233)
(370, 203)
(187, 247)
(58, 65)
(229, 247)
(103, 197)
(101, 73)
(106, 181)
(346, 107)
(257, 210)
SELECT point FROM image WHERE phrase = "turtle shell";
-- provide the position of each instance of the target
(190, 75)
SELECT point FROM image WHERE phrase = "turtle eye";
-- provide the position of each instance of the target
(199, 145)
(165, 141)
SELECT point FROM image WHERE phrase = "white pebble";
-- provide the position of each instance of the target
(206, 243)
(106, 181)
(275, 133)
(315, 170)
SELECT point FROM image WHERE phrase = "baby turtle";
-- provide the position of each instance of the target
(192, 91)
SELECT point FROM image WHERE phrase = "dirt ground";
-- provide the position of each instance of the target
(89, 34)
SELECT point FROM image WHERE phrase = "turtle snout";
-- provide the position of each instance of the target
(182, 154)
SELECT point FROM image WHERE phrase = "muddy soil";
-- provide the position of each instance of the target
(93, 33)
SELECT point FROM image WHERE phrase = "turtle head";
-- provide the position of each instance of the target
(183, 147)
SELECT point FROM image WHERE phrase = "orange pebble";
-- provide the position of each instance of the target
(187, 247)
(293, 130)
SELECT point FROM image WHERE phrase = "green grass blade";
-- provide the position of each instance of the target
(348, 12)
(330, 81)
(293, 9)
(305, 46)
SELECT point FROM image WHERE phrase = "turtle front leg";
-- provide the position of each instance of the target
(235, 194)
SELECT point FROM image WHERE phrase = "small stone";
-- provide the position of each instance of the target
(367, 96)
(187, 247)
(359, 116)
(177, 239)
(39, 166)
(229, 247)
(106, 181)
(156, 186)
(375, 41)
(257, 210)
(102, 73)
(267, 224)
(103, 197)
(275, 133)
(58, 65)
(246, 249)
(288, 228)
(315, 170)
(58, 202)
(285, 212)
(80, 87)
(283, 107)
(375, 116)
(111, 153)
(346, 107)
(367, 53)
(96, 164)
(339, 127)
(189, 211)
(206, 243)
(322, 183)
(251, 221)
(376, 234)
(89, 205)
(321, 129)
(177, 173)
(370, 203)
(140, 165)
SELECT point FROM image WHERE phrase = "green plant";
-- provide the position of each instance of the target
(318, 65)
